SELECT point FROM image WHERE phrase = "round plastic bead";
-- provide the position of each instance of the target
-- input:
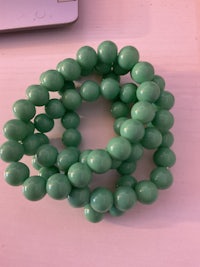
(92, 215)
(30, 127)
(148, 91)
(101, 200)
(55, 108)
(47, 155)
(159, 81)
(143, 111)
(115, 212)
(70, 69)
(128, 93)
(99, 161)
(79, 175)
(117, 124)
(126, 180)
(32, 142)
(87, 58)
(34, 188)
(133, 130)
(163, 120)
(70, 120)
(124, 198)
(71, 137)
(24, 110)
(164, 157)
(84, 155)
(38, 95)
(90, 91)
(66, 158)
(128, 57)
(119, 109)
(46, 172)
(102, 68)
(71, 99)
(152, 138)
(58, 186)
(137, 152)
(67, 85)
(79, 197)
(35, 163)
(119, 148)
(11, 151)
(142, 72)
(52, 80)
(107, 52)
(146, 192)
(43, 123)
(118, 70)
(166, 100)
(15, 130)
(16, 173)
(161, 177)
(109, 88)
(126, 167)
(167, 139)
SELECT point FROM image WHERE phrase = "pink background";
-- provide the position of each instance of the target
(167, 233)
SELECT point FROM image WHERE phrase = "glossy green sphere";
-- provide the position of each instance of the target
(146, 192)
(66, 158)
(167, 139)
(127, 167)
(70, 69)
(55, 108)
(58, 186)
(142, 72)
(71, 99)
(166, 100)
(163, 120)
(107, 52)
(15, 130)
(11, 151)
(115, 212)
(43, 123)
(143, 111)
(52, 80)
(101, 199)
(128, 93)
(164, 157)
(161, 177)
(87, 58)
(38, 95)
(79, 175)
(24, 110)
(119, 148)
(148, 91)
(79, 197)
(119, 109)
(117, 124)
(128, 56)
(118, 70)
(124, 198)
(159, 81)
(71, 137)
(46, 172)
(137, 152)
(90, 91)
(67, 85)
(32, 142)
(109, 88)
(126, 180)
(35, 163)
(84, 155)
(99, 161)
(16, 173)
(91, 215)
(133, 130)
(102, 69)
(34, 188)
(70, 120)
(152, 138)
(47, 155)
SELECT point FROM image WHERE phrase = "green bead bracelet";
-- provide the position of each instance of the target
(142, 121)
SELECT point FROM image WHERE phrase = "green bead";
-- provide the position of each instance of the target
(32, 142)
(34, 188)
(137, 152)
(115, 163)
(161, 177)
(30, 127)
(79, 197)
(86, 57)
(128, 93)
(112, 75)
(124, 198)
(67, 157)
(126, 180)
(38, 95)
(70, 120)
(58, 186)
(92, 215)
(163, 120)
(71, 99)
(115, 212)
(128, 57)
(47, 155)
(118, 70)
(55, 109)
(146, 192)
(152, 138)
(24, 110)
(101, 199)
(84, 155)
(119, 109)
(99, 161)
(71, 137)
(107, 52)
(117, 124)
(102, 68)
(109, 88)
(159, 81)
(119, 148)
(142, 71)
(35, 163)
(79, 175)
(90, 91)
(70, 69)
(126, 167)
(15, 130)
(43, 123)
(164, 157)
(11, 151)
(16, 173)
(167, 139)
(148, 91)
(67, 85)
(166, 100)
(52, 80)
(46, 172)
(143, 111)
(133, 130)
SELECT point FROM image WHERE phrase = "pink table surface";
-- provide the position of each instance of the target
(167, 233)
